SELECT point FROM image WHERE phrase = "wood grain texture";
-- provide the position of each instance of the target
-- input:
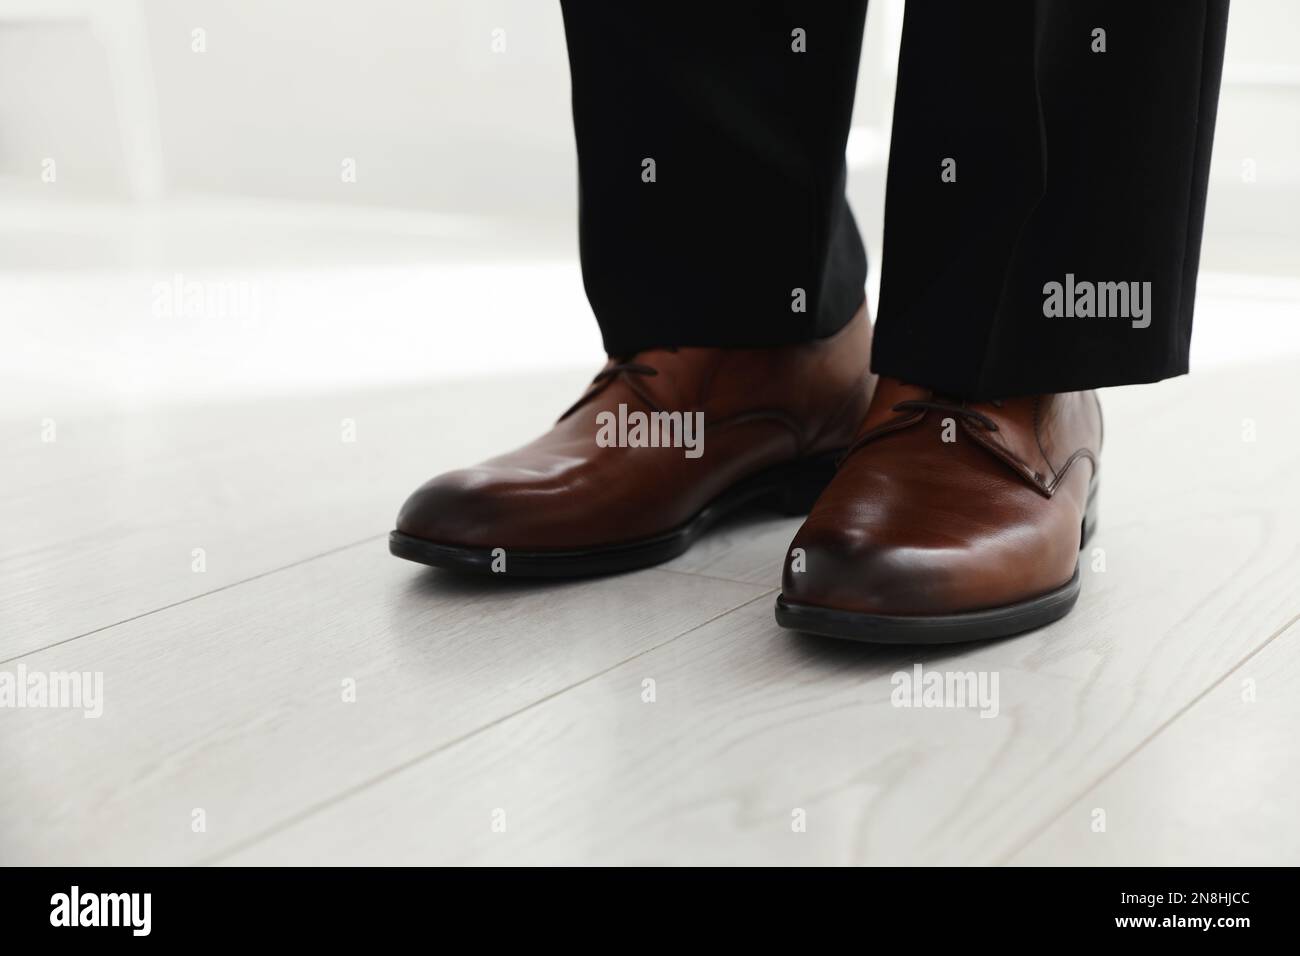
(749, 725)
(751, 547)
(223, 689)
(1200, 555)
(100, 525)
(234, 703)
(1218, 787)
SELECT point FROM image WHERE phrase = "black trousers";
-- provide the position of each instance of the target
(1037, 145)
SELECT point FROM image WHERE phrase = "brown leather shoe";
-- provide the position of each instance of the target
(773, 422)
(949, 521)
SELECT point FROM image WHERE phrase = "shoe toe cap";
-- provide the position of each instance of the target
(856, 571)
(456, 508)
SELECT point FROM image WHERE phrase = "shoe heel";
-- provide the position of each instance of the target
(1089, 520)
(806, 483)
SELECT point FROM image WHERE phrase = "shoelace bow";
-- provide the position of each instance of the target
(605, 374)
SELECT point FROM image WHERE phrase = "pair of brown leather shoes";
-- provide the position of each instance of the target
(931, 520)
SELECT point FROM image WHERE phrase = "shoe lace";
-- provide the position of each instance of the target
(619, 367)
(635, 368)
(953, 407)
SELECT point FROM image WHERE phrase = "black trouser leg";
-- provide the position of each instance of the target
(743, 238)
(1072, 166)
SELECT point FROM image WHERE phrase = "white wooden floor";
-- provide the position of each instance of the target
(503, 722)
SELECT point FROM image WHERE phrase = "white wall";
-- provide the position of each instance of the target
(436, 120)
(454, 252)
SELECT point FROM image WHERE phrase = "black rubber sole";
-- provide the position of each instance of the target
(988, 624)
(790, 489)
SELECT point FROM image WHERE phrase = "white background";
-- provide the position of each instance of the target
(454, 252)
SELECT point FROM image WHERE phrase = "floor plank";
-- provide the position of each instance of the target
(749, 725)
(234, 702)
(101, 525)
(223, 688)
(1219, 786)
(1200, 569)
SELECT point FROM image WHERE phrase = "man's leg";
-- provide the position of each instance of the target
(1047, 185)
(1035, 140)
(726, 273)
(743, 108)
